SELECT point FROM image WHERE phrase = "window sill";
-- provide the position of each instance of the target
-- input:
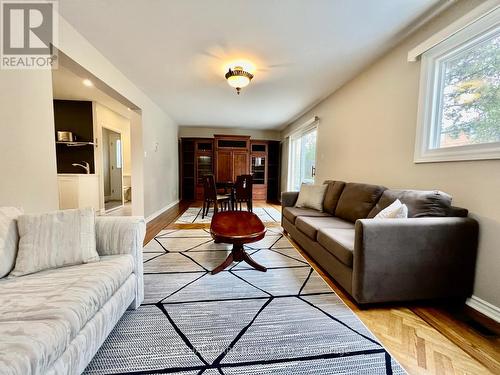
(464, 153)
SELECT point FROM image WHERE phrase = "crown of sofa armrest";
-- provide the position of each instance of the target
(289, 198)
(123, 235)
(414, 258)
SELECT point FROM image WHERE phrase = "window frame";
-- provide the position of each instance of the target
(292, 161)
(431, 80)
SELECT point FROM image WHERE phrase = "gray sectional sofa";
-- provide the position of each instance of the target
(431, 254)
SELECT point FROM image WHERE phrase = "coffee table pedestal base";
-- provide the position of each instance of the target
(238, 254)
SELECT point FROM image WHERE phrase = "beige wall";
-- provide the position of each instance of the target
(203, 132)
(367, 134)
(27, 141)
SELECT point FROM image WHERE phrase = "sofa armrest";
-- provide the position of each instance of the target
(289, 198)
(414, 258)
(123, 235)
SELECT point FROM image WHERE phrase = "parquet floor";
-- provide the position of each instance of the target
(418, 346)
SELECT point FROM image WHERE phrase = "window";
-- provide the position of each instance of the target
(118, 153)
(459, 109)
(302, 158)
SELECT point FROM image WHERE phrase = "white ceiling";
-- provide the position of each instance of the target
(68, 85)
(303, 50)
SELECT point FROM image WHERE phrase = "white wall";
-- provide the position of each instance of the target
(207, 132)
(160, 166)
(367, 134)
(27, 141)
(28, 164)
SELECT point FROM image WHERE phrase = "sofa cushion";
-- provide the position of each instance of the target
(9, 238)
(310, 225)
(339, 242)
(66, 297)
(332, 195)
(291, 213)
(55, 239)
(357, 200)
(420, 203)
(53, 306)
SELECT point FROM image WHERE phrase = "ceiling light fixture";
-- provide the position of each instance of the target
(88, 83)
(238, 78)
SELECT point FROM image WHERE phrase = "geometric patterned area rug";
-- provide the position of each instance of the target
(239, 321)
(193, 215)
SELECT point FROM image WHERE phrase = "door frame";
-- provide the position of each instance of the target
(119, 131)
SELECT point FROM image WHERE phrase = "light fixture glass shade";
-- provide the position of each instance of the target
(238, 78)
(238, 81)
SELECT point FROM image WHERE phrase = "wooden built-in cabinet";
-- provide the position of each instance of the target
(231, 157)
(258, 168)
(228, 156)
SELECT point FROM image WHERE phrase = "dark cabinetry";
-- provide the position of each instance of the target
(258, 154)
(273, 170)
(228, 156)
(76, 117)
(196, 160)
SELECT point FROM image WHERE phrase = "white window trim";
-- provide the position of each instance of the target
(474, 15)
(428, 100)
(309, 125)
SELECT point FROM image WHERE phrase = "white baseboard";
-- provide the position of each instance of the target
(160, 211)
(485, 308)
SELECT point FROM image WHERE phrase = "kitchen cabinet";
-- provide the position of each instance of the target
(78, 191)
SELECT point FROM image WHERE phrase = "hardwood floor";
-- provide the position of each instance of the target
(425, 339)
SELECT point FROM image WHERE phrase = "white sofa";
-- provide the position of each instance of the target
(54, 321)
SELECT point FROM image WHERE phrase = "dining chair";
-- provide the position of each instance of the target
(210, 196)
(243, 191)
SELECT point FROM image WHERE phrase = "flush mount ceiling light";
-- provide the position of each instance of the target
(238, 78)
(87, 82)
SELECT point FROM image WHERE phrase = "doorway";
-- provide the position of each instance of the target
(302, 158)
(112, 164)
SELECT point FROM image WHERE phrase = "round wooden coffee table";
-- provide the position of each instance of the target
(237, 228)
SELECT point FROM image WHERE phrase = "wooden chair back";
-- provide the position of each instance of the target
(209, 188)
(243, 187)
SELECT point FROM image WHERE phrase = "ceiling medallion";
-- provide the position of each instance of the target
(238, 78)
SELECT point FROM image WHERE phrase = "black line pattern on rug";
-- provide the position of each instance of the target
(163, 247)
(156, 256)
(216, 364)
(181, 334)
(305, 281)
(239, 335)
(249, 283)
(339, 321)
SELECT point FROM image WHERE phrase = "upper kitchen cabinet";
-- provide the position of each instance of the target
(76, 119)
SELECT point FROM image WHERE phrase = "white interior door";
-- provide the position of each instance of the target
(115, 165)
(302, 158)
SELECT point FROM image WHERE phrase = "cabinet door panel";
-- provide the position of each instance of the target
(224, 170)
(240, 163)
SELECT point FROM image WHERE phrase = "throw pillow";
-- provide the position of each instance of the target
(9, 238)
(311, 196)
(54, 240)
(396, 210)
